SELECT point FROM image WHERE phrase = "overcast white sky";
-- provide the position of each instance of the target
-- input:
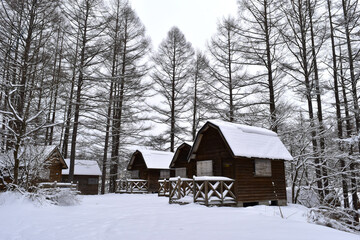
(196, 18)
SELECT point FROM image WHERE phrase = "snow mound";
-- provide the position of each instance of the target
(14, 198)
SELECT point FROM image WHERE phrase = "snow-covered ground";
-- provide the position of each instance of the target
(127, 217)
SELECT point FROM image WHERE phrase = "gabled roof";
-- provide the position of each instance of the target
(32, 154)
(84, 167)
(49, 150)
(177, 152)
(247, 141)
(153, 159)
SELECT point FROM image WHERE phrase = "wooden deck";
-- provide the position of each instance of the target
(132, 186)
(203, 190)
(214, 191)
(47, 185)
(180, 190)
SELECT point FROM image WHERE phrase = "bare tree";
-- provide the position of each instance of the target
(25, 31)
(127, 90)
(200, 72)
(298, 40)
(82, 16)
(171, 72)
(227, 83)
(262, 45)
(349, 21)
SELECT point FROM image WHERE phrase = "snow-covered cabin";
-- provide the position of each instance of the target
(86, 174)
(37, 164)
(253, 156)
(180, 163)
(150, 165)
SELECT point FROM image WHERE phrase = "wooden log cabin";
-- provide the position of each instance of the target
(183, 168)
(43, 164)
(253, 157)
(151, 166)
(86, 174)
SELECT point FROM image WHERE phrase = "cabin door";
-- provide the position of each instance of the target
(228, 169)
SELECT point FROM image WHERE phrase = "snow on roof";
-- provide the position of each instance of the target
(30, 154)
(178, 150)
(252, 142)
(83, 167)
(156, 159)
(188, 143)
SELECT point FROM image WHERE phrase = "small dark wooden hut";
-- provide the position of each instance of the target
(180, 163)
(151, 166)
(55, 163)
(46, 161)
(86, 174)
(253, 157)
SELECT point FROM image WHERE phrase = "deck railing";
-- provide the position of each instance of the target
(180, 190)
(214, 191)
(72, 186)
(132, 186)
(163, 188)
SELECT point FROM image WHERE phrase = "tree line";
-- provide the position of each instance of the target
(81, 74)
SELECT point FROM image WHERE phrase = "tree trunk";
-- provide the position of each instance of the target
(172, 126)
(309, 101)
(323, 164)
(338, 107)
(269, 69)
(108, 121)
(231, 101)
(69, 110)
(57, 82)
(20, 125)
(78, 95)
(355, 100)
(193, 132)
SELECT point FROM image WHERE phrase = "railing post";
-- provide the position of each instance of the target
(194, 189)
(206, 193)
(178, 184)
(169, 191)
(222, 191)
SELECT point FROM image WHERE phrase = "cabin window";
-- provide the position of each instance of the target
(93, 181)
(180, 172)
(135, 174)
(204, 168)
(164, 174)
(262, 168)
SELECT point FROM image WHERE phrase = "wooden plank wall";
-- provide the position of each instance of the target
(153, 178)
(84, 187)
(250, 188)
(182, 161)
(212, 147)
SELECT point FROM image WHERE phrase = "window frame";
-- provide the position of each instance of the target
(259, 170)
(200, 164)
(90, 179)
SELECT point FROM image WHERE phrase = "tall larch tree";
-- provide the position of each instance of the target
(172, 70)
(227, 81)
(262, 47)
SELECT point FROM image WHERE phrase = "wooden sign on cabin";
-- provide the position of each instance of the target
(204, 168)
